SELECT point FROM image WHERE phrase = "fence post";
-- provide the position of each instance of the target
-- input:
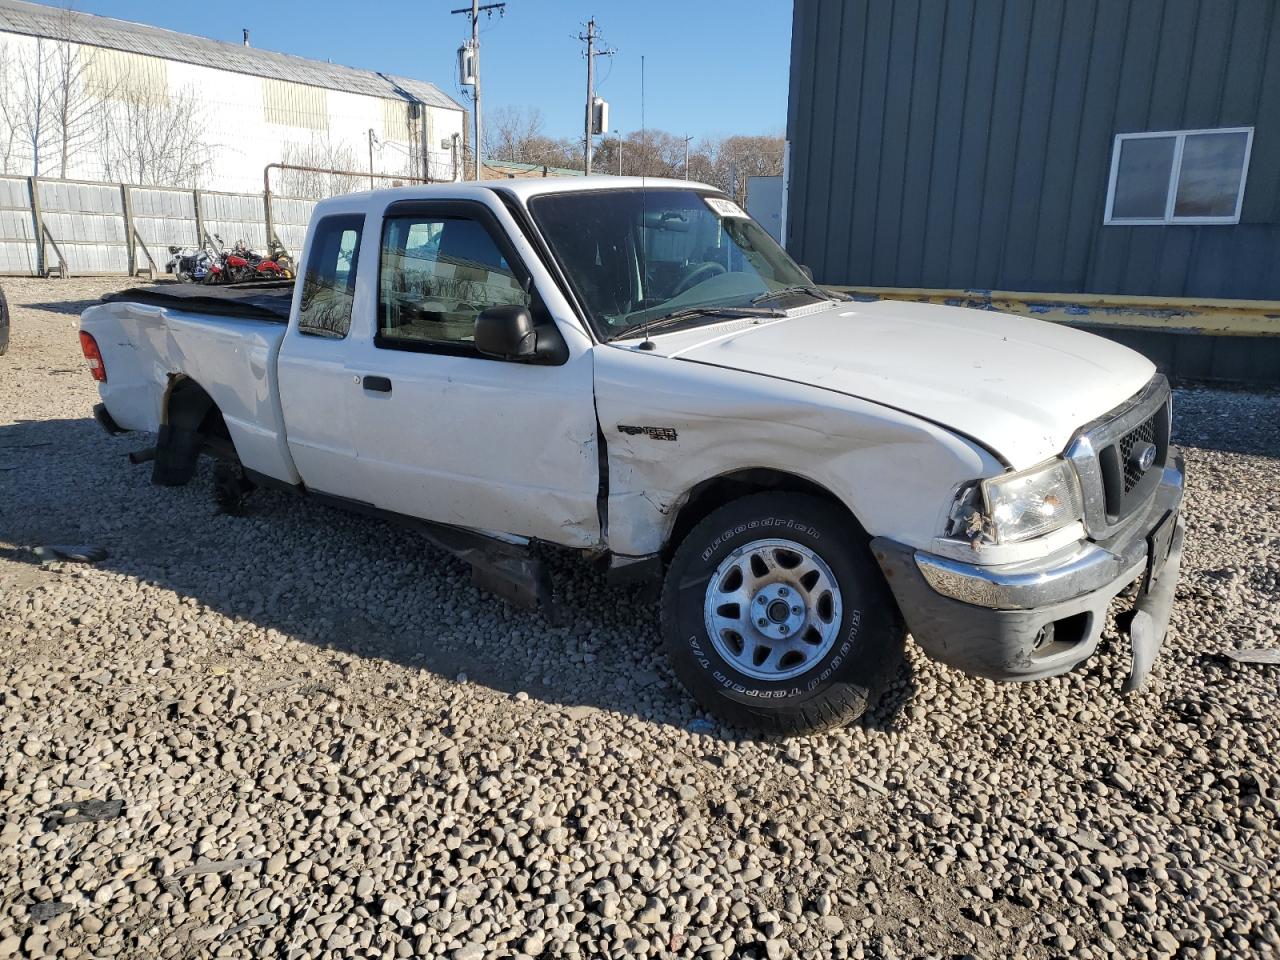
(129, 249)
(266, 209)
(199, 220)
(33, 184)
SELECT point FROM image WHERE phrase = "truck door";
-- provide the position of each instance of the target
(444, 433)
(313, 377)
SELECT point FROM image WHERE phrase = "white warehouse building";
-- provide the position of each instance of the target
(93, 98)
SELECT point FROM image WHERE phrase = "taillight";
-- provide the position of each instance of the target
(89, 347)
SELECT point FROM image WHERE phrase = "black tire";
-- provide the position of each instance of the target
(840, 683)
(4, 324)
(231, 488)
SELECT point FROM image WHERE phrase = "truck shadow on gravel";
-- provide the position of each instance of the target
(340, 583)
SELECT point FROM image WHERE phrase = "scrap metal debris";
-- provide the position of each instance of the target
(81, 553)
(1254, 655)
(46, 910)
(82, 811)
(217, 866)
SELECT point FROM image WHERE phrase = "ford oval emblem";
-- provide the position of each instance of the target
(1143, 456)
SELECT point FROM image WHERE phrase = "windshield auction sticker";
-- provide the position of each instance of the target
(725, 208)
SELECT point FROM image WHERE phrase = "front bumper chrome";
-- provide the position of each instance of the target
(1044, 617)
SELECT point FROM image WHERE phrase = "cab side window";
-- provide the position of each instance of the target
(438, 273)
(329, 285)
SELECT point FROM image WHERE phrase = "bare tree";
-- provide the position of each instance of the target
(321, 153)
(48, 105)
(73, 102)
(31, 106)
(154, 139)
(10, 130)
(510, 131)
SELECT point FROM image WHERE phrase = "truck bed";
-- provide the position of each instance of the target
(269, 301)
(226, 339)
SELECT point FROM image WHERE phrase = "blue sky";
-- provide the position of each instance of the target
(712, 66)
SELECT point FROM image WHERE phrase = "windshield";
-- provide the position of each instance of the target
(636, 256)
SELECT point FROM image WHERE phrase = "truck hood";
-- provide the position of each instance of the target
(1020, 387)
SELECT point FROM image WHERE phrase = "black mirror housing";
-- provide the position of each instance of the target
(507, 332)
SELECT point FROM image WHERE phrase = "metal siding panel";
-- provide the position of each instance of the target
(903, 40)
(1173, 66)
(823, 116)
(921, 136)
(1262, 191)
(1137, 68)
(875, 68)
(839, 207)
(974, 144)
(805, 62)
(1084, 229)
(933, 141)
(1036, 100)
(1211, 42)
(1177, 247)
(1011, 71)
(1061, 186)
(936, 245)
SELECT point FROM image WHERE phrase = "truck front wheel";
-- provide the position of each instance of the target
(777, 618)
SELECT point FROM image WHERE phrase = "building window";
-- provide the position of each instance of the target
(1179, 176)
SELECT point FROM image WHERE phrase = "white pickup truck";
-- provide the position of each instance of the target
(636, 370)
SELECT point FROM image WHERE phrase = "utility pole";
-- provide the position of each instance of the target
(372, 137)
(592, 53)
(618, 136)
(686, 156)
(474, 12)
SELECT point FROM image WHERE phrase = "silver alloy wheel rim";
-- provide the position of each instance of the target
(772, 609)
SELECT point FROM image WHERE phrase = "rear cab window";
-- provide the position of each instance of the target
(329, 284)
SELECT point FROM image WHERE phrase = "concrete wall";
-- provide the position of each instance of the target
(967, 143)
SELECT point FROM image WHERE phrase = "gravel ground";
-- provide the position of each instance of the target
(328, 743)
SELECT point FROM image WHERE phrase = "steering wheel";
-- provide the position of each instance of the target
(697, 275)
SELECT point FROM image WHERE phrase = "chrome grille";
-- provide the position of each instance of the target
(1132, 472)
(1114, 488)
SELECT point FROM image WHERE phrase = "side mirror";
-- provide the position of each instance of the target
(807, 271)
(506, 332)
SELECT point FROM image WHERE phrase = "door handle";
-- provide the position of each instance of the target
(377, 384)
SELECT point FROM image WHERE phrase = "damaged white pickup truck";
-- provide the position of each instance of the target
(639, 372)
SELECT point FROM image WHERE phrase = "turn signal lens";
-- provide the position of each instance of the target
(89, 347)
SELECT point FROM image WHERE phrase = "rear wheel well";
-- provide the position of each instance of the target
(191, 424)
(714, 493)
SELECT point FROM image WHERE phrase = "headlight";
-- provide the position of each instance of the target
(1033, 502)
(1019, 506)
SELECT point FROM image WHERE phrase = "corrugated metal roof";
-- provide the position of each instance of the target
(37, 20)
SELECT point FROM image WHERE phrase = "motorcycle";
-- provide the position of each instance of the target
(240, 265)
(189, 264)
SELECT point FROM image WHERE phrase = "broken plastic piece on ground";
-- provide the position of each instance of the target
(46, 910)
(82, 811)
(1254, 655)
(77, 553)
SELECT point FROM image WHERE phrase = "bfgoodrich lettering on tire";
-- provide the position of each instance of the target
(776, 617)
